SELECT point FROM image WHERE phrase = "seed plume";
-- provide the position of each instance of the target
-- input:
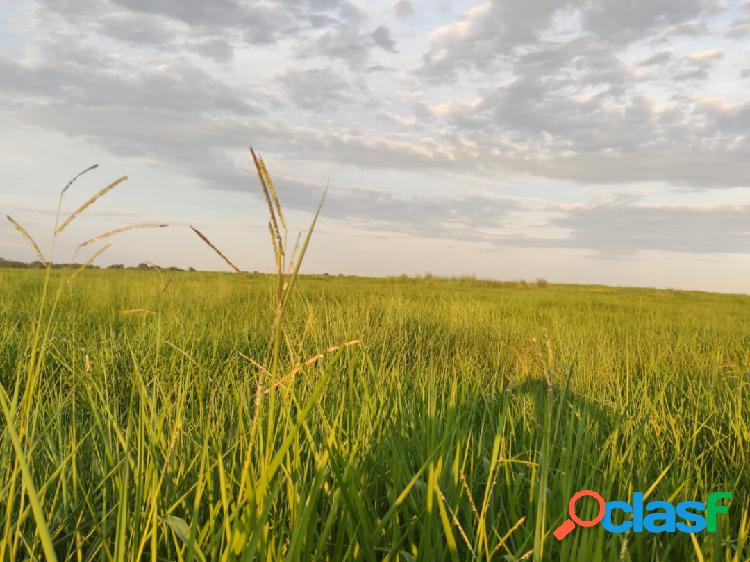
(90, 201)
(119, 230)
(215, 249)
(28, 237)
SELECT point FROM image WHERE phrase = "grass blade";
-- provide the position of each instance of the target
(36, 506)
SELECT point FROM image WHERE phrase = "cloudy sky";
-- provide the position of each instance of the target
(597, 141)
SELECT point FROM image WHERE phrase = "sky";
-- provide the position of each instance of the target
(600, 141)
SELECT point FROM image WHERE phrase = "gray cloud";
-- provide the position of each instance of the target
(658, 58)
(343, 43)
(690, 29)
(534, 124)
(619, 228)
(257, 23)
(314, 88)
(699, 74)
(456, 217)
(177, 88)
(740, 28)
(495, 30)
(625, 228)
(215, 48)
(260, 22)
(617, 20)
(403, 9)
(538, 101)
(383, 39)
(137, 28)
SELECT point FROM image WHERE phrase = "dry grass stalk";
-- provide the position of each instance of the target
(469, 495)
(254, 363)
(279, 246)
(28, 237)
(294, 252)
(277, 252)
(183, 352)
(259, 388)
(71, 182)
(138, 311)
(310, 361)
(90, 201)
(98, 253)
(271, 187)
(457, 523)
(507, 535)
(215, 249)
(119, 230)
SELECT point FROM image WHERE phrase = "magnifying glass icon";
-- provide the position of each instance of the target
(569, 524)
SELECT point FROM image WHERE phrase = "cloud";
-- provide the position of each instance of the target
(549, 92)
(343, 43)
(209, 25)
(706, 57)
(314, 88)
(490, 32)
(403, 9)
(137, 29)
(214, 48)
(626, 21)
(449, 217)
(659, 58)
(383, 39)
(699, 74)
(621, 227)
(260, 22)
(739, 28)
(178, 87)
(624, 228)
(689, 29)
(571, 113)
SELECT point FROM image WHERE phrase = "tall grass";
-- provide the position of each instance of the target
(249, 417)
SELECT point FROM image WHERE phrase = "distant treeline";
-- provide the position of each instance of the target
(39, 265)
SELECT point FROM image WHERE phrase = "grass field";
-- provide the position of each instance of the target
(457, 428)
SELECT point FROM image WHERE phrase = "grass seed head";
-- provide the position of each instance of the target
(28, 237)
(211, 245)
(90, 201)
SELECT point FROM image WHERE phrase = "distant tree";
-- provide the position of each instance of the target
(13, 264)
(116, 266)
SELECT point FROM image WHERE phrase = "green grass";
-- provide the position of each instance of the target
(457, 429)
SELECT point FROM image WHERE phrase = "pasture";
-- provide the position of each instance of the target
(149, 415)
